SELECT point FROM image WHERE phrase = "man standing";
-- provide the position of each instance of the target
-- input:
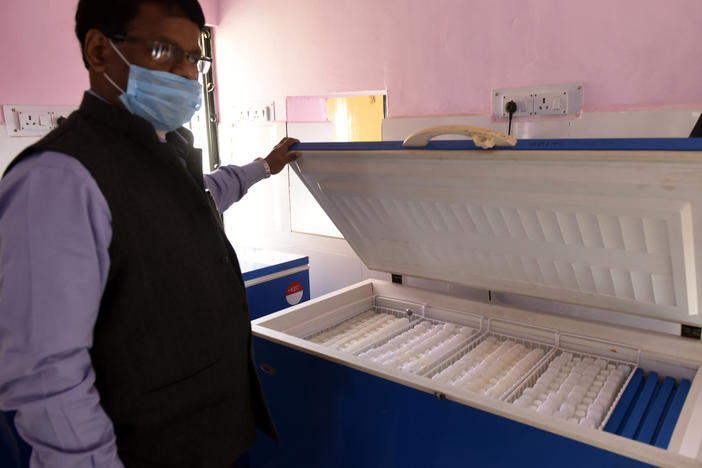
(124, 327)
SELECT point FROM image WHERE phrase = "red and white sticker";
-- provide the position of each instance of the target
(294, 293)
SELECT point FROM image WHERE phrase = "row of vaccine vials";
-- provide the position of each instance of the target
(492, 367)
(580, 390)
(419, 348)
(360, 331)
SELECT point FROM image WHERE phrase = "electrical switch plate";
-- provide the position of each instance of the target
(33, 120)
(554, 103)
(255, 112)
(564, 100)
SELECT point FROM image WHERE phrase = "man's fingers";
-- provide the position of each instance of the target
(287, 143)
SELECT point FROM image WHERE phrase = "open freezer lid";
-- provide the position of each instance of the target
(612, 224)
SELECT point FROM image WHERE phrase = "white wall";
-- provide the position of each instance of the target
(11, 146)
(262, 218)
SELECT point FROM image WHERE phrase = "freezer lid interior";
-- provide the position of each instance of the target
(606, 223)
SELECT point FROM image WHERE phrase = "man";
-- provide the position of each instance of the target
(124, 330)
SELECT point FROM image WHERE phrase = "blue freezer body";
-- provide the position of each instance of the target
(274, 280)
(329, 415)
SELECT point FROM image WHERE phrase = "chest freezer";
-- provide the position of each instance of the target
(382, 374)
(273, 280)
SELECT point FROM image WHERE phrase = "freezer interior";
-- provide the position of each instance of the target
(605, 224)
(578, 386)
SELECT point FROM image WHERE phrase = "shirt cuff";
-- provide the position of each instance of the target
(255, 172)
(266, 167)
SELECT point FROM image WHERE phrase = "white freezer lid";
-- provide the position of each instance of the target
(611, 224)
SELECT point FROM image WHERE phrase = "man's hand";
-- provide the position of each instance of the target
(280, 155)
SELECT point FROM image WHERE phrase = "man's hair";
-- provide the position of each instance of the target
(112, 17)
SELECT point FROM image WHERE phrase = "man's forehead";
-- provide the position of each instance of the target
(152, 22)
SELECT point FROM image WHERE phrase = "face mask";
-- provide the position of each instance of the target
(164, 99)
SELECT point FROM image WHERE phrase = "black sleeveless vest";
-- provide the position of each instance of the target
(172, 348)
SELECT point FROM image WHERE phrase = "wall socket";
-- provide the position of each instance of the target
(524, 102)
(33, 120)
(553, 103)
(255, 112)
(543, 101)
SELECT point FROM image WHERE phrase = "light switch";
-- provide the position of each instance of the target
(45, 120)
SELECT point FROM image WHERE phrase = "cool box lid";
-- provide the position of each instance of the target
(609, 223)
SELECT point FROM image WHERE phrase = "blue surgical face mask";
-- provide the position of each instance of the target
(164, 99)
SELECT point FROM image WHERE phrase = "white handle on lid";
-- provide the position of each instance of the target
(482, 137)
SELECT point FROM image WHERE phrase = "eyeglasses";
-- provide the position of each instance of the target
(168, 53)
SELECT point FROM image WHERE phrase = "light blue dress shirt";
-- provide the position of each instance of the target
(55, 230)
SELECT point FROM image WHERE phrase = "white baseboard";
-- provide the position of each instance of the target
(12, 146)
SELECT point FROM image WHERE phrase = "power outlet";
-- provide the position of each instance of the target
(29, 120)
(259, 114)
(33, 120)
(551, 103)
(544, 101)
(524, 102)
(255, 113)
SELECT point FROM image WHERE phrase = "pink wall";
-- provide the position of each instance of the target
(445, 56)
(40, 57)
(440, 57)
(211, 10)
(40, 61)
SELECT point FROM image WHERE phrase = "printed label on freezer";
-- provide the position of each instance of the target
(294, 293)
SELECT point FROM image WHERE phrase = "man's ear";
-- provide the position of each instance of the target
(95, 50)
